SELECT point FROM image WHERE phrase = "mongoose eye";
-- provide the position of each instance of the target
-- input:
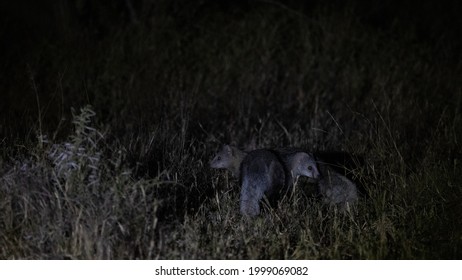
(310, 167)
(218, 158)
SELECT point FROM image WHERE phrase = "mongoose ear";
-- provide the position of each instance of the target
(298, 158)
(228, 149)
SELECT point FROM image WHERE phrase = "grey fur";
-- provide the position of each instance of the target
(229, 158)
(298, 163)
(262, 174)
(266, 173)
(337, 189)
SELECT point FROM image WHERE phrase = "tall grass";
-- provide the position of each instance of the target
(128, 176)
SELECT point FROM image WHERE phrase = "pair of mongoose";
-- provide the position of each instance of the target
(265, 172)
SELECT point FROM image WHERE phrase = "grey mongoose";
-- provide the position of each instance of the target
(334, 187)
(337, 189)
(263, 173)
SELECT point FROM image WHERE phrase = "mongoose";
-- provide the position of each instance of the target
(229, 158)
(262, 174)
(337, 189)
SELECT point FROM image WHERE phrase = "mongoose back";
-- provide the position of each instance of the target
(229, 158)
(337, 189)
(262, 174)
(334, 187)
(341, 162)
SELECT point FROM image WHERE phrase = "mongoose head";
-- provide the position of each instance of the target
(228, 158)
(223, 159)
(304, 164)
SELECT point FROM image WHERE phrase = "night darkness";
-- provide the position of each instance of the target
(110, 112)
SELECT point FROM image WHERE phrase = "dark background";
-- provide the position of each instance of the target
(51, 51)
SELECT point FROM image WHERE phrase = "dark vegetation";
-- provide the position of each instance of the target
(110, 112)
